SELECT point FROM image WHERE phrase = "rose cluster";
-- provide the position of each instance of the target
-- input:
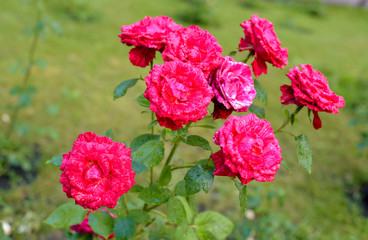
(193, 74)
(97, 171)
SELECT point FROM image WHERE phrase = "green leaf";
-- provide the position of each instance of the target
(136, 188)
(187, 208)
(56, 160)
(176, 212)
(66, 215)
(124, 228)
(180, 188)
(57, 28)
(119, 208)
(212, 226)
(233, 53)
(15, 90)
(293, 120)
(140, 216)
(108, 133)
(138, 167)
(258, 111)
(261, 93)
(142, 101)
(183, 232)
(141, 139)
(163, 134)
(24, 100)
(304, 152)
(197, 141)
(197, 178)
(150, 153)
(165, 176)
(41, 63)
(180, 133)
(192, 204)
(154, 195)
(287, 113)
(207, 162)
(122, 88)
(242, 196)
(152, 124)
(79, 236)
(101, 223)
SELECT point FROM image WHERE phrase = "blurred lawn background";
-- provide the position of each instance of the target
(87, 61)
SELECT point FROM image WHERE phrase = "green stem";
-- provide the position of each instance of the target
(14, 115)
(180, 167)
(286, 122)
(153, 207)
(251, 53)
(171, 154)
(151, 175)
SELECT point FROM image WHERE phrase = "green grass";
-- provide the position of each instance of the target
(87, 61)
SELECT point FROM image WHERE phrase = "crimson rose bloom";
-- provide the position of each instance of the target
(262, 41)
(249, 149)
(309, 88)
(97, 171)
(148, 35)
(196, 46)
(233, 86)
(84, 227)
(178, 93)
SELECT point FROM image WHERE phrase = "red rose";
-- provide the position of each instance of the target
(84, 227)
(97, 171)
(309, 88)
(261, 40)
(178, 93)
(195, 46)
(233, 86)
(249, 149)
(149, 34)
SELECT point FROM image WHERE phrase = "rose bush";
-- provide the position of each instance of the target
(309, 88)
(97, 171)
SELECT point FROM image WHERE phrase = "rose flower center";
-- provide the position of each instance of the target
(93, 173)
(252, 148)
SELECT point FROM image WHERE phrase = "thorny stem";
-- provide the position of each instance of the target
(286, 122)
(27, 75)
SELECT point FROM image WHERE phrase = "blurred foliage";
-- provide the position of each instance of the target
(201, 12)
(77, 10)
